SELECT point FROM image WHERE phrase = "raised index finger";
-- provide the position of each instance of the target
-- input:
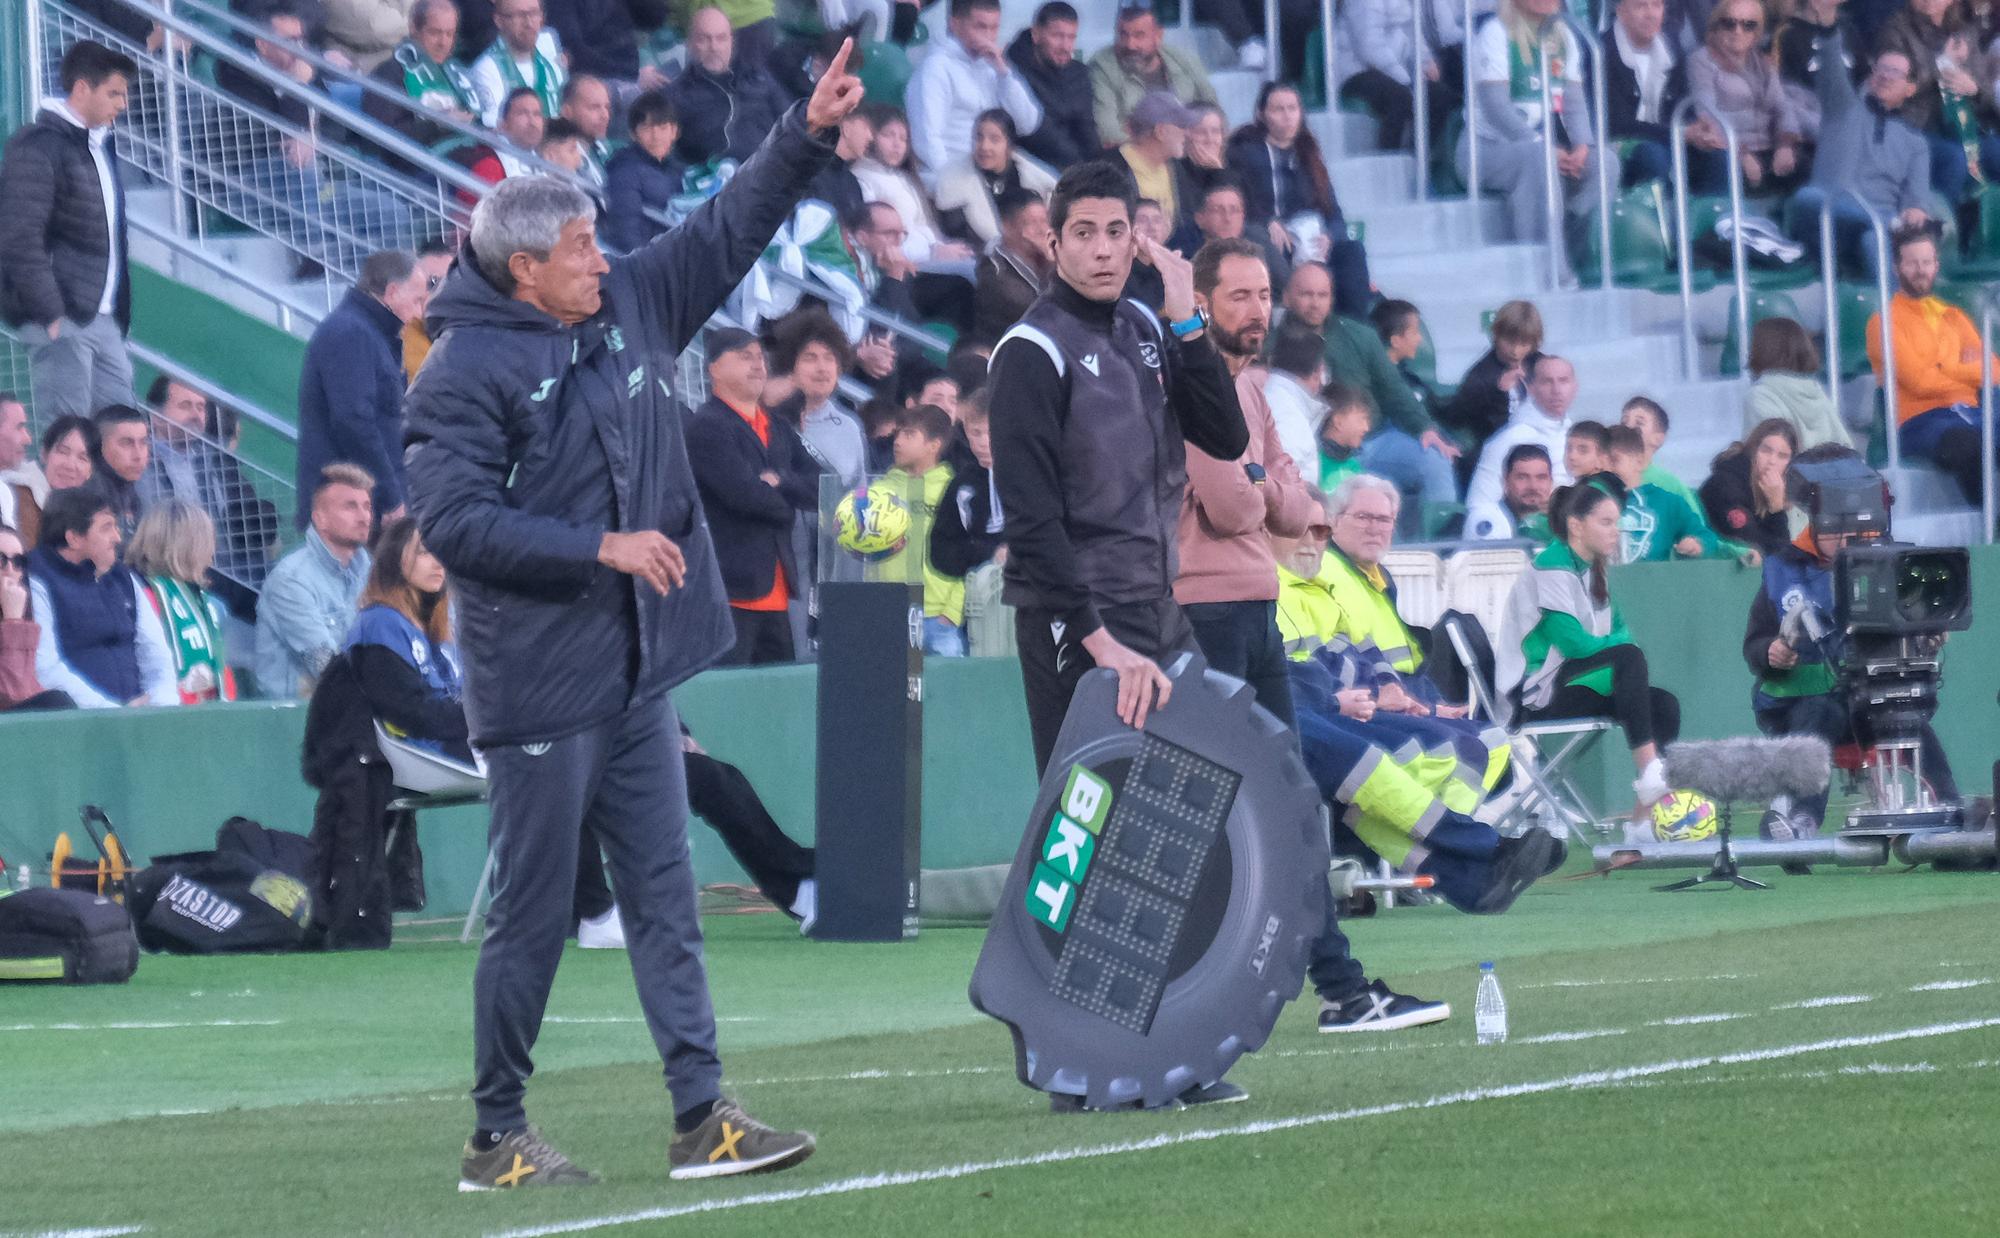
(839, 65)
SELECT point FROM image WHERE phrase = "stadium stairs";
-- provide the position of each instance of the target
(1445, 255)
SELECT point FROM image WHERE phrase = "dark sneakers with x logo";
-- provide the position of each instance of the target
(733, 1142)
(521, 1158)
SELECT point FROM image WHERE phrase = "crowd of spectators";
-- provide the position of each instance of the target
(937, 209)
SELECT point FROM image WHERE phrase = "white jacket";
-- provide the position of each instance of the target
(1529, 425)
(1298, 415)
(882, 183)
(960, 187)
(1377, 34)
(946, 95)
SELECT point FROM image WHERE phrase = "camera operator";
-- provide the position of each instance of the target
(1794, 647)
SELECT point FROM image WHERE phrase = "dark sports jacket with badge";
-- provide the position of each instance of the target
(528, 440)
(1093, 405)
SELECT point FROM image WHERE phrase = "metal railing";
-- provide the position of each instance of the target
(251, 505)
(1274, 50)
(1829, 258)
(1989, 307)
(1555, 206)
(1420, 98)
(1684, 240)
(1471, 123)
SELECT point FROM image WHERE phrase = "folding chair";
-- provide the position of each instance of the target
(1419, 577)
(1551, 791)
(428, 779)
(1477, 582)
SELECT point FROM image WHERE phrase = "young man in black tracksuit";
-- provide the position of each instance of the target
(1094, 404)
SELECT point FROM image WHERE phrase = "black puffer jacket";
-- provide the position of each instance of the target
(601, 37)
(54, 237)
(1068, 132)
(723, 114)
(528, 440)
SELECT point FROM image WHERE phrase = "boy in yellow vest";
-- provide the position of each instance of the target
(922, 478)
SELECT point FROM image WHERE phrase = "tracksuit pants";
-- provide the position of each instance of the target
(1242, 639)
(719, 794)
(624, 778)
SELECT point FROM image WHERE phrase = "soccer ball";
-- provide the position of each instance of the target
(873, 522)
(1684, 817)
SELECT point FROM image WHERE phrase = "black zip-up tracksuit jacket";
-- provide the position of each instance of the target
(1092, 510)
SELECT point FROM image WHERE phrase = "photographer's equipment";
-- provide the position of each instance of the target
(1894, 603)
(1842, 497)
(107, 874)
(870, 607)
(1756, 771)
(65, 937)
(219, 902)
(1163, 901)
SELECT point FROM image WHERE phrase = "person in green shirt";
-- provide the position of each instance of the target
(1564, 651)
(1350, 415)
(1647, 417)
(1657, 524)
(1406, 446)
(922, 478)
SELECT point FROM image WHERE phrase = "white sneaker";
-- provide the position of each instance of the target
(606, 932)
(1651, 785)
(1252, 54)
(806, 905)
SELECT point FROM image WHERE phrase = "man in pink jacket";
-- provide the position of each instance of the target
(1228, 584)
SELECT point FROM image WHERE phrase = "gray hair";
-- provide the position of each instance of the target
(383, 268)
(523, 215)
(420, 12)
(1353, 484)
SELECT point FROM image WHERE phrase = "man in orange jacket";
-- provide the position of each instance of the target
(1937, 366)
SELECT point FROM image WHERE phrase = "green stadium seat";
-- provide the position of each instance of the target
(1641, 256)
(1763, 304)
(885, 70)
(1856, 302)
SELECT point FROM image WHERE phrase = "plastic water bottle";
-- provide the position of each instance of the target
(21, 876)
(1489, 1008)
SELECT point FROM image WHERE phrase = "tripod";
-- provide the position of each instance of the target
(1725, 862)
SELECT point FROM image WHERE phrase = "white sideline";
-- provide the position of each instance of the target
(1835, 999)
(135, 1027)
(914, 1177)
(1945, 986)
(110, 1231)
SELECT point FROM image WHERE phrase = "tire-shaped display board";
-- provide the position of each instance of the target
(1160, 910)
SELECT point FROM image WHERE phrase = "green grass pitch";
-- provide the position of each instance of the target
(1823, 1058)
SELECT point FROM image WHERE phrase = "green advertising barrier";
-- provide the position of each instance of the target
(169, 777)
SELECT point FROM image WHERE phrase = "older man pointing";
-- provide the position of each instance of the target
(548, 473)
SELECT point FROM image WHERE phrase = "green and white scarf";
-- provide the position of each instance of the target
(439, 87)
(549, 75)
(194, 639)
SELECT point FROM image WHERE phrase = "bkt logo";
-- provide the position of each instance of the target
(1068, 847)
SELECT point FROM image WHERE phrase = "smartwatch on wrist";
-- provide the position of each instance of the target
(1190, 326)
(1255, 472)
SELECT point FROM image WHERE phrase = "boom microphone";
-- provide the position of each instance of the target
(1754, 770)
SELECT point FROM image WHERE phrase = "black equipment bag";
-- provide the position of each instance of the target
(219, 902)
(68, 936)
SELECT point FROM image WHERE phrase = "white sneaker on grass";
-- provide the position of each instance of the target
(605, 932)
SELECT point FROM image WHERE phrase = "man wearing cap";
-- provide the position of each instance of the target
(755, 477)
(548, 472)
(1159, 125)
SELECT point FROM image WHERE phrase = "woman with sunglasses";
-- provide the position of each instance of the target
(1732, 79)
(19, 688)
